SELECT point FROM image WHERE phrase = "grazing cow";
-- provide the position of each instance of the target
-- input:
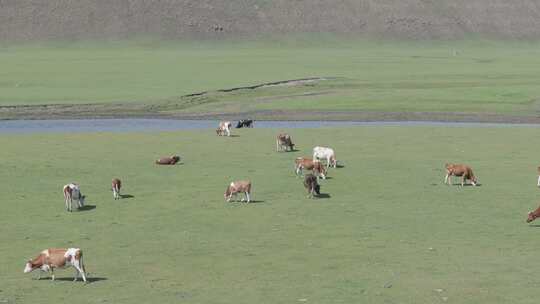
(532, 215)
(459, 170)
(309, 164)
(116, 185)
(49, 259)
(172, 160)
(312, 186)
(224, 128)
(538, 183)
(284, 142)
(244, 123)
(327, 154)
(236, 187)
(73, 191)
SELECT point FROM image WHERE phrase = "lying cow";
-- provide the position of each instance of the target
(224, 128)
(72, 191)
(532, 215)
(50, 259)
(115, 186)
(244, 123)
(327, 154)
(284, 142)
(312, 186)
(316, 166)
(172, 160)
(236, 187)
(464, 171)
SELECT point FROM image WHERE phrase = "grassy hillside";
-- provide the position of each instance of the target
(149, 77)
(389, 231)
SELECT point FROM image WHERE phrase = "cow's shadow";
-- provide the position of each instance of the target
(466, 185)
(340, 166)
(233, 135)
(323, 196)
(89, 280)
(87, 208)
(535, 225)
(123, 196)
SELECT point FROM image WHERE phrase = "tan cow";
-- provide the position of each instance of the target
(459, 170)
(284, 142)
(172, 160)
(316, 166)
(237, 187)
(50, 259)
(116, 185)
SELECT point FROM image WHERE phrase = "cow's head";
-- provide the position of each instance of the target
(531, 217)
(29, 267)
(228, 194)
(474, 180)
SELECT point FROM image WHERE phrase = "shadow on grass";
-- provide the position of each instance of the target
(323, 195)
(126, 196)
(87, 208)
(467, 185)
(89, 280)
(535, 225)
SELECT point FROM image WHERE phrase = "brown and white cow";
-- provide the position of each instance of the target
(464, 171)
(238, 187)
(171, 160)
(532, 215)
(72, 191)
(284, 142)
(309, 164)
(325, 153)
(311, 185)
(224, 128)
(50, 259)
(115, 186)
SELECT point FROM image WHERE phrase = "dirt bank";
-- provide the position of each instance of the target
(31, 20)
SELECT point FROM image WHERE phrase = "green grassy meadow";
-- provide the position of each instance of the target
(441, 76)
(389, 232)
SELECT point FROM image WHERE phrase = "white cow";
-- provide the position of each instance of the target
(72, 191)
(325, 153)
(224, 128)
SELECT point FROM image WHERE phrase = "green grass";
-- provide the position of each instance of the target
(457, 76)
(389, 221)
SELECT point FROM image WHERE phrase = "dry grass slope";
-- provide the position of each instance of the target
(30, 20)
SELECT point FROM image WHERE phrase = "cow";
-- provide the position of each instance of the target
(538, 183)
(312, 186)
(50, 259)
(244, 123)
(224, 128)
(236, 187)
(171, 160)
(532, 215)
(325, 153)
(73, 191)
(309, 164)
(284, 141)
(459, 170)
(115, 186)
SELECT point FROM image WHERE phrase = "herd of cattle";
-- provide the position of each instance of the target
(53, 258)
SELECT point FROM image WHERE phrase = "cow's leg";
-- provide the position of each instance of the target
(298, 171)
(446, 178)
(462, 180)
(51, 270)
(248, 198)
(538, 183)
(80, 270)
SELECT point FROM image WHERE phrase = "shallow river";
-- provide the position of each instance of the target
(158, 125)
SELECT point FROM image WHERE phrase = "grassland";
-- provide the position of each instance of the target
(389, 232)
(149, 78)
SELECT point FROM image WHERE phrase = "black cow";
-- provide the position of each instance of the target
(244, 123)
